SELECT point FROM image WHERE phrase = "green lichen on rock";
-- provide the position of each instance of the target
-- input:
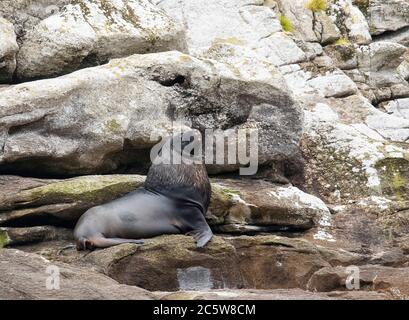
(221, 203)
(231, 40)
(113, 126)
(151, 37)
(4, 238)
(394, 175)
(181, 247)
(91, 188)
(129, 16)
(224, 193)
(333, 173)
(84, 8)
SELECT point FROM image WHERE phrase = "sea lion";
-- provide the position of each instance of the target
(173, 200)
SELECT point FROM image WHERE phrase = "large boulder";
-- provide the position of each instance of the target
(249, 23)
(385, 15)
(26, 14)
(33, 202)
(306, 83)
(171, 263)
(89, 32)
(246, 205)
(236, 207)
(8, 51)
(392, 281)
(18, 236)
(99, 119)
(277, 294)
(26, 275)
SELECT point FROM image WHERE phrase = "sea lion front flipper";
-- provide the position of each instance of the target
(202, 234)
(202, 237)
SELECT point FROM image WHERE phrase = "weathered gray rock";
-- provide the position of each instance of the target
(340, 20)
(309, 25)
(380, 55)
(26, 201)
(369, 231)
(57, 45)
(385, 15)
(170, 263)
(389, 126)
(255, 206)
(305, 81)
(401, 36)
(18, 236)
(403, 69)
(351, 21)
(333, 85)
(299, 17)
(248, 23)
(380, 76)
(90, 32)
(343, 56)
(278, 294)
(398, 108)
(97, 119)
(25, 276)
(26, 14)
(8, 51)
(378, 68)
(346, 155)
(392, 281)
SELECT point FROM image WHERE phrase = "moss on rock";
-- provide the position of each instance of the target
(317, 5)
(4, 238)
(90, 188)
(286, 24)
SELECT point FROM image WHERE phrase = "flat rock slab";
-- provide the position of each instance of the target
(170, 263)
(393, 281)
(25, 276)
(278, 294)
(237, 206)
(27, 201)
(18, 236)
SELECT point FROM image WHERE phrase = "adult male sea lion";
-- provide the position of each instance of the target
(174, 199)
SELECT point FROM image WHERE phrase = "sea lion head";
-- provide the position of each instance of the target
(186, 144)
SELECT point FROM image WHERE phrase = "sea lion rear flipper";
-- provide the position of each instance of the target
(101, 242)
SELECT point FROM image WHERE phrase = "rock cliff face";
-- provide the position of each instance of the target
(86, 84)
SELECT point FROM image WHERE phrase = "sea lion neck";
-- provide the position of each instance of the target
(182, 195)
